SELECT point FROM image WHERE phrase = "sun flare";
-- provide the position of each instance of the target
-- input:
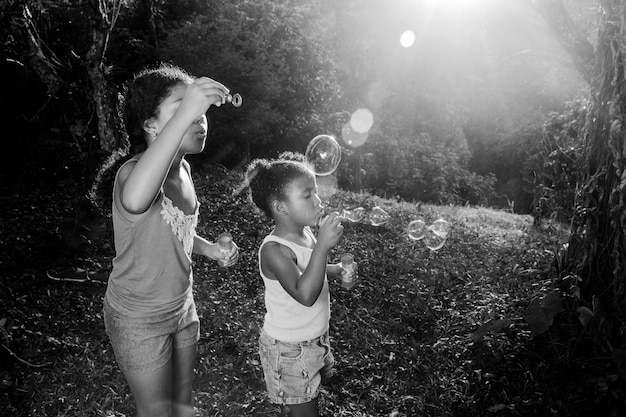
(455, 5)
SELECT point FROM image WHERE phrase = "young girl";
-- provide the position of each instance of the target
(149, 310)
(294, 345)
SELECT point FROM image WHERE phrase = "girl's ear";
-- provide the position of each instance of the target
(149, 126)
(278, 207)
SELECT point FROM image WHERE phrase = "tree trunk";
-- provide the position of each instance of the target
(602, 235)
(598, 241)
(109, 124)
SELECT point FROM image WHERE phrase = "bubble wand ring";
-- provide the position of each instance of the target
(234, 99)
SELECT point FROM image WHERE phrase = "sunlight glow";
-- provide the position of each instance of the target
(362, 120)
(457, 5)
(407, 39)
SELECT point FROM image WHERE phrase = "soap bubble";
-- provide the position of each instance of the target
(378, 216)
(323, 155)
(441, 227)
(415, 229)
(354, 215)
(433, 240)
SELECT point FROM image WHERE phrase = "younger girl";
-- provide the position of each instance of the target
(294, 345)
(149, 310)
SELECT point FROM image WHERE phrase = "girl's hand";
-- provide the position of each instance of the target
(200, 95)
(227, 260)
(334, 270)
(330, 231)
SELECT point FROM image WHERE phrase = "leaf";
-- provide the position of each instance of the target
(500, 325)
(537, 318)
(619, 357)
(585, 316)
(496, 408)
(482, 331)
(553, 302)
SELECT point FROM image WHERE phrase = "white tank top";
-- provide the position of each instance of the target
(286, 319)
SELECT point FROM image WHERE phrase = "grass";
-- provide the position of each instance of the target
(404, 337)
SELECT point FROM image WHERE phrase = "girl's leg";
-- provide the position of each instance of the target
(308, 409)
(184, 362)
(152, 391)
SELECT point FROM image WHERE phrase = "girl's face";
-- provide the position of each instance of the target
(195, 137)
(303, 205)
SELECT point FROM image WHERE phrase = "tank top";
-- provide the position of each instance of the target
(152, 269)
(285, 318)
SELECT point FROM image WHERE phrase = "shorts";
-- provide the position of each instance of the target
(294, 370)
(145, 344)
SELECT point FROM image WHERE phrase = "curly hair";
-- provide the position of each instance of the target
(143, 96)
(268, 179)
(139, 101)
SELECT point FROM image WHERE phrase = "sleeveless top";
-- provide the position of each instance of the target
(286, 319)
(152, 269)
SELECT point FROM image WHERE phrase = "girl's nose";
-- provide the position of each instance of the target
(200, 120)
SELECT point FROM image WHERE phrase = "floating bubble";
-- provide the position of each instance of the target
(441, 227)
(378, 216)
(415, 229)
(323, 155)
(356, 215)
(432, 240)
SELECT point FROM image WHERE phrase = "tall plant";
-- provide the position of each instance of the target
(598, 242)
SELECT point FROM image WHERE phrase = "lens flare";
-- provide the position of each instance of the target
(362, 120)
(351, 137)
(407, 39)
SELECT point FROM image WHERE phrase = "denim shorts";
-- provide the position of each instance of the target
(144, 345)
(294, 370)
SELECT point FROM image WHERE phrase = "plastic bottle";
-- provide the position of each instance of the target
(225, 246)
(349, 275)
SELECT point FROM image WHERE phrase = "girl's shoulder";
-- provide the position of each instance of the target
(275, 245)
(124, 171)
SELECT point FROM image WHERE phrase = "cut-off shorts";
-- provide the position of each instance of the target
(145, 344)
(294, 370)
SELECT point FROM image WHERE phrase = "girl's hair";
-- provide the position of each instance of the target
(139, 101)
(143, 96)
(268, 179)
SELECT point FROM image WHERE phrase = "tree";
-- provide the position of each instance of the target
(58, 65)
(597, 245)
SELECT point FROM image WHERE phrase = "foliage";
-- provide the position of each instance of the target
(553, 167)
(272, 54)
(422, 333)
(423, 169)
(597, 245)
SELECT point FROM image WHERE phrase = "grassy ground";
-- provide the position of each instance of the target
(405, 338)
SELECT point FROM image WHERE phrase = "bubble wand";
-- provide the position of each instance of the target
(234, 99)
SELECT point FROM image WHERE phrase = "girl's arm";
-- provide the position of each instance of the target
(203, 247)
(140, 187)
(305, 288)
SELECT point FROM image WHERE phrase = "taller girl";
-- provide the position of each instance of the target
(149, 310)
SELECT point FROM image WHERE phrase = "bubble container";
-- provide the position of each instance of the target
(349, 275)
(224, 246)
